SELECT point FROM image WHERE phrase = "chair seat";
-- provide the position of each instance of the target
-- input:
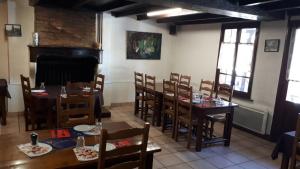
(170, 112)
(185, 119)
(139, 98)
(217, 117)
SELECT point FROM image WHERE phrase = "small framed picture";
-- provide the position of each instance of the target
(272, 45)
(13, 30)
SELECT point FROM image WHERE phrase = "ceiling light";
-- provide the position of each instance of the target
(165, 12)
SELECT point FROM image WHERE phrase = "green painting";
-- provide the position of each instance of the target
(142, 45)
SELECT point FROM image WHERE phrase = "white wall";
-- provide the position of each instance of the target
(118, 69)
(19, 12)
(196, 50)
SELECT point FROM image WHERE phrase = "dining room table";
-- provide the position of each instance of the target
(45, 101)
(284, 145)
(200, 111)
(12, 157)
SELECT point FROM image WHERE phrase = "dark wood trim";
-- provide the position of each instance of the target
(209, 21)
(75, 52)
(220, 7)
(279, 116)
(192, 17)
(239, 26)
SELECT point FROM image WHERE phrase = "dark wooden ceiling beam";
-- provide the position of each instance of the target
(281, 5)
(220, 7)
(80, 4)
(136, 9)
(210, 21)
(189, 18)
(111, 6)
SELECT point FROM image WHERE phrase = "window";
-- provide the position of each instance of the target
(237, 57)
(293, 92)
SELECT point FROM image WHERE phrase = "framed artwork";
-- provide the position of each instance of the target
(13, 30)
(143, 45)
(272, 45)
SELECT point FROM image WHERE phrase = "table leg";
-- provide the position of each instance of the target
(285, 162)
(136, 105)
(158, 118)
(228, 127)
(3, 110)
(199, 133)
(149, 161)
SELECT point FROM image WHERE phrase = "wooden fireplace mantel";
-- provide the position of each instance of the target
(74, 52)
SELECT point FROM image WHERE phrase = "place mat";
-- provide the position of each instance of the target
(122, 143)
(35, 150)
(60, 143)
(86, 153)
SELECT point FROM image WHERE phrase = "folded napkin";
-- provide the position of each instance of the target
(60, 133)
(42, 94)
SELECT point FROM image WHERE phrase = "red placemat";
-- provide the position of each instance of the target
(42, 94)
(122, 143)
(60, 133)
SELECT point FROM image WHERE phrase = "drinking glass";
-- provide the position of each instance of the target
(98, 126)
(42, 87)
(63, 92)
(80, 142)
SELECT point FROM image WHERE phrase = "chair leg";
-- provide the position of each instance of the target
(154, 115)
(26, 120)
(176, 130)
(206, 128)
(142, 109)
(173, 126)
(212, 123)
(189, 137)
(146, 112)
(164, 122)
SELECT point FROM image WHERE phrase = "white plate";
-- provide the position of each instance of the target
(93, 132)
(79, 153)
(27, 149)
(83, 128)
(38, 91)
(109, 147)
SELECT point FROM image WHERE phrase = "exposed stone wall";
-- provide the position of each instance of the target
(62, 27)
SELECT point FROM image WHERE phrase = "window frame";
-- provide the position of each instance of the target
(239, 27)
(293, 26)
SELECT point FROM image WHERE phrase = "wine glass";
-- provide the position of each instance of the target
(80, 142)
(63, 92)
(42, 87)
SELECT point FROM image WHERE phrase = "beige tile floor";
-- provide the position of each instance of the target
(245, 152)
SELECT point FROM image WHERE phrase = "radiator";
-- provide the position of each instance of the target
(251, 119)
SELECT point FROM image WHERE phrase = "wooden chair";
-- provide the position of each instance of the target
(174, 77)
(184, 111)
(75, 110)
(296, 146)
(99, 82)
(139, 93)
(207, 87)
(169, 105)
(185, 80)
(26, 89)
(138, 148)
(223, 92)
(151, 101)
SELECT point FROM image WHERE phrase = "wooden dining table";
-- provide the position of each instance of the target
(200, 111)
(12, 157)
(46, 101)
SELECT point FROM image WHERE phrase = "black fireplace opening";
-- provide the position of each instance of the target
(57, 70)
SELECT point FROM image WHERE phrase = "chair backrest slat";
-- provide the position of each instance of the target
(225, 92)
(150, 86)
(26, 89)
(207, 87)
(185, 80)
(75, 110)
(174, 77)
(184, 101)
(99, 82)
(138, 147)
